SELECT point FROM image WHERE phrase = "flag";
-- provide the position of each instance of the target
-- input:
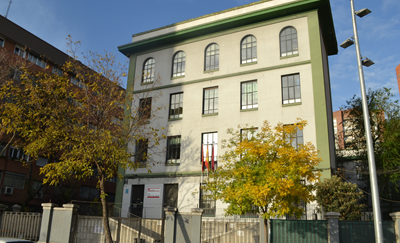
(202, 158)
(207, 160)
(212, 158)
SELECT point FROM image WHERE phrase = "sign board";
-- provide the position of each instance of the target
(153, 192)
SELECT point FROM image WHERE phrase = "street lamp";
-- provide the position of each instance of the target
(371, 158)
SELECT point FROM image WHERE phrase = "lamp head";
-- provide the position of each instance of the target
(347, 43)
(367, 62)
(361, 13)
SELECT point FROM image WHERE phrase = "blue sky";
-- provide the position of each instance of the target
(103, 25)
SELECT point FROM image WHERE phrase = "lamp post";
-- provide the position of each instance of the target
(371, 157)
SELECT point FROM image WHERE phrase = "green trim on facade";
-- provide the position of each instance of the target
(295, 55)
(172, 78)
(211, 71)
(247, 64)
(129, 92)
(175, 119)
(321, 123)
(252, 109)
(245, 19)
(225, 76)
(178, 164)
(144, 84)
(162, 175)
(294, 104)
(213, 114)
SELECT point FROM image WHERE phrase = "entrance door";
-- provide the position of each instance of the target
(137, 200)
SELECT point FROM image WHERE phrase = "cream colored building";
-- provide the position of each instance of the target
(263, 61)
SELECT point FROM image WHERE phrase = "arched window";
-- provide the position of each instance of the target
(288, 39)
(212, 57)
(149, 70)
(248, 49)
(178, 66)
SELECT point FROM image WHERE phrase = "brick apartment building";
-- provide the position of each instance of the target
(20, 43)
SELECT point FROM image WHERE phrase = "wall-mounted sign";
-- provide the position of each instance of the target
(153, 192)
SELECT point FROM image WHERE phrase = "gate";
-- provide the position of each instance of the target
(21, 225)
(363, 231)
(299, 231)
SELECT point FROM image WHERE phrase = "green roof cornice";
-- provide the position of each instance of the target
(323, 7)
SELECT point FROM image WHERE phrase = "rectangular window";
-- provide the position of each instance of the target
(2, 42)
(210, 146)
(210, 102)
(14, 180)
(42, 161)
(36, 60)
(295, 139)
(249, 133)
(291, 89)
(142, 146)
(249, 95)
(19, 51)
(145, 108)
(2, 153)
(206, 203)
(78, 82)
(176, 106)
(57, 71)
(174, 150)
(15, 153)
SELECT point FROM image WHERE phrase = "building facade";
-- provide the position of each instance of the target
(267, 60)
(16, 42)
(398, 76)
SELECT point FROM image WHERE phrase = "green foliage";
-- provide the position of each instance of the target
(265, 172)
(334, 195)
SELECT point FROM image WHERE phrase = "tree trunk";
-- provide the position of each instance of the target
(105, 211)
(266, 233)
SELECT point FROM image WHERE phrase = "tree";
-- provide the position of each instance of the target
(384, 113)
(79, 126)
(264, 173)
(334, 195)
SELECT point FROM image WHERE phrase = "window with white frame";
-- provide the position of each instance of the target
(209, 146)
(291, 92)
(178, 66)
(15, 153)
(174, 150)
(248, 49)
(210, 100)
(211, 57)
(249, 95)
(36, 60)
(149, 67)
(14, 180)
(288, 41)
(19, 51)
(249, 133)
(176, 106)
(296, 138)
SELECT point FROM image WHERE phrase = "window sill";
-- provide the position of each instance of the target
(293, 104)
(177, 77)
(211, 71)
(247, 64)
(144, 122)
(252, 109)
(294, 55)
(213, 114)
(175, 119)
(176, 164)
(143, 84)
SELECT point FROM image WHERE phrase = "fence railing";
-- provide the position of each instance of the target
(21, 225)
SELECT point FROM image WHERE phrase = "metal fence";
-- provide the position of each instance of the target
(90, 229)
(299, 231)
(230, 230)
(363, 231)
(21, 225)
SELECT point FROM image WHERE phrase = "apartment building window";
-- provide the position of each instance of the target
(174, 150)
(249, 95)
(249, 133)
(89, 192)
(78, 83)
(178, 68)
(209, 146)
(14, 180)
(142, 146)
(36, 60)
(288, 41)
(176, 106)
(19, 51)
(296, 138)
(2, 42)
(210, 102)
(206, 202)
(248, 49)
(149, 70)
(57, 71)
(41, 161)
(212, 57)
(145, 108)
(291, 89)
(2, 150)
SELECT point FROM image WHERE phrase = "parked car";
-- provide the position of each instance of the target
(13, 240)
